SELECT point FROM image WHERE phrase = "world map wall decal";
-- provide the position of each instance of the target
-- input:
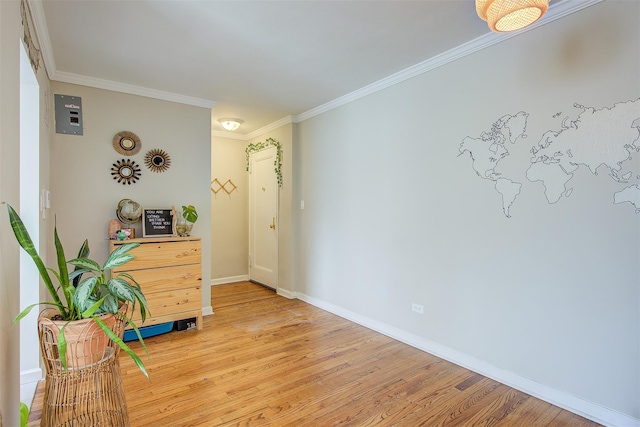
(597, 139)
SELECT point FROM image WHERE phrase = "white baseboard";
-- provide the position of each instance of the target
(285, 293)
(207, 311)
(30, 376)
(28, 383)
(562, 399)
(232, 279)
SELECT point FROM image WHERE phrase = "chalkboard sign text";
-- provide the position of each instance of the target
(157, 222)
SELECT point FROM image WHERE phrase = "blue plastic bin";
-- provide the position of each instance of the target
(148, 331)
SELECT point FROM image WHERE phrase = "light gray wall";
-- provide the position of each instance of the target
(229, 212)
(83, 193)
(10, 34)
(395, 216)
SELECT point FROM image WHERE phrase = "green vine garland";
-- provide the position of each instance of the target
(270, 142)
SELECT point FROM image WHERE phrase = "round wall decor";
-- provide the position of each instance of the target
(126, 143)
(126, 171)
(157, 160)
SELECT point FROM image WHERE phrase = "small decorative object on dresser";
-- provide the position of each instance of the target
(186, 220)
(114, 226)
(169, 271)
(158, 222)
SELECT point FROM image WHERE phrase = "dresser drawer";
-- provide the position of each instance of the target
(153, 255)
(162, 279)
(172, 302)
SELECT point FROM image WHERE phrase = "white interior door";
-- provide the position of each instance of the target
(263, 218)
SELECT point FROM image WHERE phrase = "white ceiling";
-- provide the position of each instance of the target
(260, 61)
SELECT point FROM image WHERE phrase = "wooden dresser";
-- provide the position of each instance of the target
(169, 271)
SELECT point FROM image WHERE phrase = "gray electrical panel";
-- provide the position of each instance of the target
(68, 114)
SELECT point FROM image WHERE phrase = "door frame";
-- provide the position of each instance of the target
(31, 204)
(277, 216)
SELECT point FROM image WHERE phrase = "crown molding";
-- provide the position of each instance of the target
(42, 33)
(272, 126)
(78, 79)
(556, 11)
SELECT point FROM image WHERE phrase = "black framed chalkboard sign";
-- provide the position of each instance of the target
(158, 222)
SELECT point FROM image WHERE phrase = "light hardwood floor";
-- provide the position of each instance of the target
(262, 359)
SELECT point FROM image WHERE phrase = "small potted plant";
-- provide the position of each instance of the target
(186, 220)
(94, 299)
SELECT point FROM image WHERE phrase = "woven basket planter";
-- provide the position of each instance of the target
(89, 392)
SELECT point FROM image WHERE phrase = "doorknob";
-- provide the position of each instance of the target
(273, 223)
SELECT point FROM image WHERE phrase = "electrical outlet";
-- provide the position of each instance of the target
(417, 308)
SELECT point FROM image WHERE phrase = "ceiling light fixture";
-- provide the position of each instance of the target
(230, 124)
(510, 15)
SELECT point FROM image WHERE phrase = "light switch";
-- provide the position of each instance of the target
(301, 204)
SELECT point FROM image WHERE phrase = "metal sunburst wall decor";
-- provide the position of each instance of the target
(126, 171)
(157, 160)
